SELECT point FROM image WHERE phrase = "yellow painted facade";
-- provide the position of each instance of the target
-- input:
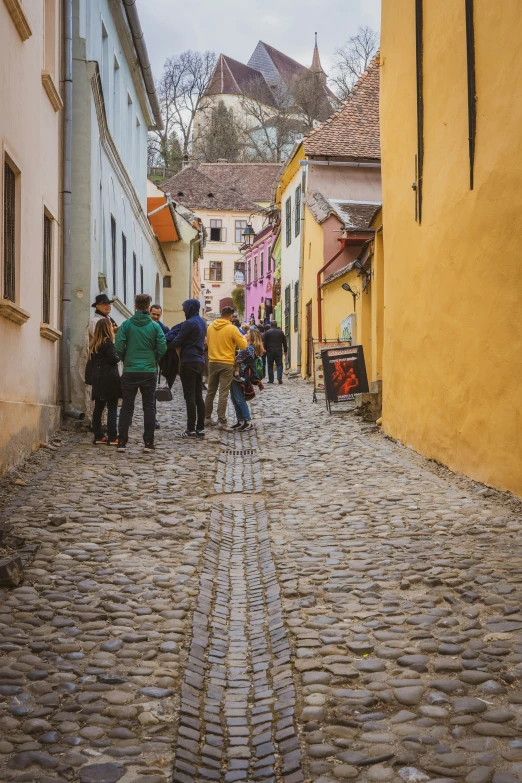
(453, 333)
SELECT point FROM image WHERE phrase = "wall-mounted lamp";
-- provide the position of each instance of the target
(248, 235)
(355, 294)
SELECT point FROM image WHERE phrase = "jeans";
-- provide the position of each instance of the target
(240, 404)
(278, 359)
(112, 418)
(191, 375)
(130, 383)
(219, 376)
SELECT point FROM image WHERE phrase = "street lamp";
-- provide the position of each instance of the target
(249, 235)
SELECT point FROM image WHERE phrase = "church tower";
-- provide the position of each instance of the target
(316, 66)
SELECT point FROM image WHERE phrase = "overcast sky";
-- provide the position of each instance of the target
(234, 27)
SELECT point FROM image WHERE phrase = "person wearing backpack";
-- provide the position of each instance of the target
(245, 377)
(140, 343)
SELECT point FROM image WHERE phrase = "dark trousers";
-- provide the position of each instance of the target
(131, 382)
(278, 359)
(112, 418)
(191, 375)
(263, 359)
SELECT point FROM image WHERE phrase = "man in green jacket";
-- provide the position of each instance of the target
(140, 344)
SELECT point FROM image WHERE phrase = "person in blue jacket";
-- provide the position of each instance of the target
(190, 338)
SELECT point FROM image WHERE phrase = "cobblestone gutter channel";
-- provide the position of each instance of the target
(238, 696)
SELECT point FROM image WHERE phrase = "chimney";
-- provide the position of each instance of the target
(222, 160)
(185, 162)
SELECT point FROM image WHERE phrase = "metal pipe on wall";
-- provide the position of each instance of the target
(143, 56)
(68, 410)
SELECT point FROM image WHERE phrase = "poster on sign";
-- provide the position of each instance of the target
(318, 347)
(344, 373)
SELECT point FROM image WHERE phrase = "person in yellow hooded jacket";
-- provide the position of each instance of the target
(223, 339)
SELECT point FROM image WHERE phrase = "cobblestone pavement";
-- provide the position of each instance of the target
(307, 602)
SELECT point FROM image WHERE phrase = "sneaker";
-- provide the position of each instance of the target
(121, 446)
(210, 423)
(223, 426)
(280, 382)
(188, 434)
(113, 442)
(99, 441)
(149, 447)
(157, 425)
(237, 425)
(247, 425)
(200, 433)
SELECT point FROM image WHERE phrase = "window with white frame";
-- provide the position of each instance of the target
(217, 232)
(214, 271)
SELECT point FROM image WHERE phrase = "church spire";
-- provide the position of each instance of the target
(316, 66)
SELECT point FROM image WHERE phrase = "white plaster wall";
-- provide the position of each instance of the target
(101, 187)
(30, 136)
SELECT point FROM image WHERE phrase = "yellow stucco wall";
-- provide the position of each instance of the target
(313, 259)
(453, 293)
(339, 304)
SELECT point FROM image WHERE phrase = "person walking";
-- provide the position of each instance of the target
(106, 385)
(140, 343)
(274, 340)
(223, 338)
(190, 338)
(156, 311)
(245, 377)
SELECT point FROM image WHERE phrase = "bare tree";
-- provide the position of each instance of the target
(352, 59)
(310, 99)
(270, 120)
(181, 93)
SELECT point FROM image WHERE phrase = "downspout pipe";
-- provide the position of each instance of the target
(68, 410)
(143, 57)
(343, 241)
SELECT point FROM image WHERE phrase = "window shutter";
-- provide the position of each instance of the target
(223, 234)
(9, 233)
(46, 289)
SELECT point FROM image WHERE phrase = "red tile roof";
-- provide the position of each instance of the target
(254, 180)
(223, 186)
(352, 131)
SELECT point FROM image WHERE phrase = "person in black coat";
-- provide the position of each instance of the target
(105, 380)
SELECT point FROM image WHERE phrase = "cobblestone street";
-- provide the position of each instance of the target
(303, 602)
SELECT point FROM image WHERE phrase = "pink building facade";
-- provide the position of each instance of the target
(259, 275)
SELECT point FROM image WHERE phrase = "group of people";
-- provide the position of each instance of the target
(232, 359)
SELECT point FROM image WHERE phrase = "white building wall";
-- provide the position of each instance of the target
(226, 252)
(290, 259)
(30, 143)
(110, 120)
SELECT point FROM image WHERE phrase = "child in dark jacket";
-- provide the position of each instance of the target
(106, 385)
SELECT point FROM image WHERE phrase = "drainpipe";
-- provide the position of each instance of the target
(68, 410)
(343, 241)
(143, 57)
